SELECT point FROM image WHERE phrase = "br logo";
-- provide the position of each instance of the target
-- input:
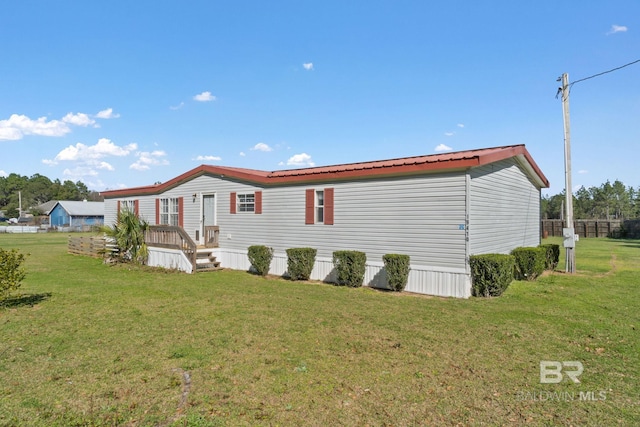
(551, 372)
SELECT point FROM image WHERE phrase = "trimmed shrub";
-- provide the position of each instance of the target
(300, 262)
(530, 262)
(350, 266)
(397, 268)
(552, 255)
(260, 257)
(11, 271)
(491, 274)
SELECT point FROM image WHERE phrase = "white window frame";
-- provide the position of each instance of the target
(127, 205)
(246, 203)
(169, 211)
(319, 207)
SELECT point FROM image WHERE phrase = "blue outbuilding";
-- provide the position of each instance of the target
(76, 215)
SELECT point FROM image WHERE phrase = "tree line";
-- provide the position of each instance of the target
(38, 189)
(608, 201)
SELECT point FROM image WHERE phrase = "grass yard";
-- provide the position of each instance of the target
(88, 344)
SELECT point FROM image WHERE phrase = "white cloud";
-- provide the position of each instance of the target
(79, 119)
(302, 159)
(449, 133)
(79, 172)
(146, 159)
(177, 107)
(17, 126)
(204, 97)
(88, 158)
(261, 146)
(103, 148)
(3, 173)
(242, 154)
(107, 114)
(105, 166)
(460, 125)
(583, 171)
(308, 66)
(209, 158)
(617, 29)
(442, 147)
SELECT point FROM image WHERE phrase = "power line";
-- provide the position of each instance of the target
(560, 89)
(605, 72)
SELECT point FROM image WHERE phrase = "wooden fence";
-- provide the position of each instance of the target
(594, 228)
(93, 246)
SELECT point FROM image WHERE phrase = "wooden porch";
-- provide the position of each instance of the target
(173, 237)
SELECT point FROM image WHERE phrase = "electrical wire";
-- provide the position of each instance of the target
(605, 72)
(595, 75)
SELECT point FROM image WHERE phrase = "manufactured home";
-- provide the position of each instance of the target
(438, 209)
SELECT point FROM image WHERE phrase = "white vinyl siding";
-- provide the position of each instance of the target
(504, 208)
(417, 216)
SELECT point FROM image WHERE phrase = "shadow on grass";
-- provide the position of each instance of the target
(632, 245)
(24, 300)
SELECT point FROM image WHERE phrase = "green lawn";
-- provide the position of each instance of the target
(91, 344)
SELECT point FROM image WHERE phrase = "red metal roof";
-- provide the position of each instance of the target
(393, 167)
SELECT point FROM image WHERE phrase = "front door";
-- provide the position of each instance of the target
(208, 215)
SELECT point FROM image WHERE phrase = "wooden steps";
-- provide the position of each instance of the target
(206, 261)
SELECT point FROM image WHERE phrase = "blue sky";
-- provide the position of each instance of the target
(119, 94)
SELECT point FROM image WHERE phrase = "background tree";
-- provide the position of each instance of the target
(39, 189)
(608, 201)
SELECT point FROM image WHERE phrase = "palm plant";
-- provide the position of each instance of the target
(128, 234)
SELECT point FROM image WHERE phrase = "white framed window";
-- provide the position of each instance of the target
(319, 207)
(169, 211)
(127, 205)
(246, 202)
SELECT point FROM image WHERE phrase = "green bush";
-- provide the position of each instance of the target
(11, 271)
(491, 274)
(128, 233)
(260, 257)
(300, 262)
(530, 262)
(350, 266)
(397, 268)
(552, 255)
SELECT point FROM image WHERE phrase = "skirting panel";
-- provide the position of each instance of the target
(169, 258)
(446, 282)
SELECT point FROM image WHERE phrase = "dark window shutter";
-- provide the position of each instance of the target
(157, 211)
(258, 201)
(118, 211)
(328, 206)
(181, 211)
(309, 205)
(136, 207)
(232, 203)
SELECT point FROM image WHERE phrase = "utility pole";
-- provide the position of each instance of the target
(568, 232)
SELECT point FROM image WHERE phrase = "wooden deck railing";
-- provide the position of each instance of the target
(211, 236)
(170, 236)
